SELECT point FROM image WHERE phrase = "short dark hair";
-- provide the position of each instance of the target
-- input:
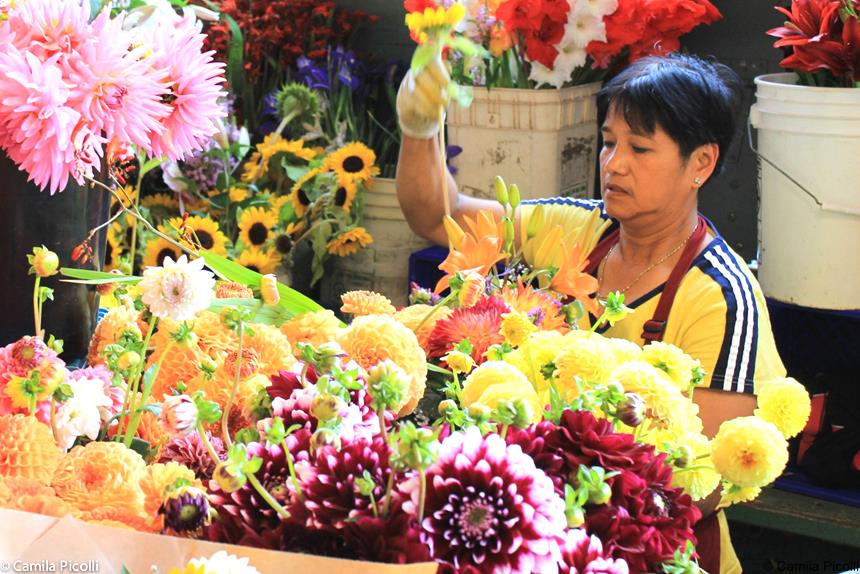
(693, 100)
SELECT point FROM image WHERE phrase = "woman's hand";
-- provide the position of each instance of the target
(420, 98)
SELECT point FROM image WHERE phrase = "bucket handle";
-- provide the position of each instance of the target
(824, 206)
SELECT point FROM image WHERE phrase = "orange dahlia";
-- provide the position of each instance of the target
(27, 448)
(213, 337)
(360, 303)
(272, 347)
(314, 327)
(158, 479)
(545, 308)
(181, 364)
(101, 476)
(30, 495)
(479, 324)
(413, 316)
(374, 338)
(232, 290)
(118, 320)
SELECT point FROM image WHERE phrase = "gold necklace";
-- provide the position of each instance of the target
(650, 267)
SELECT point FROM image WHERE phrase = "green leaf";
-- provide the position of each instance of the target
(437, 369)
(235, 56)
(140, 446)
(466, 47)
(422, 56)
(295, 172)
(151, 164)
(90, 277)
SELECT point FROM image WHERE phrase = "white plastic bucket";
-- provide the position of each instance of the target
(382, 266)
(809, 181)
(545, 141)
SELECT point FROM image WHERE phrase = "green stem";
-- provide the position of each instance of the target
(386, 504)
(267, 496)
(225, 417)
(380, 414)
(133, 246)
(37, 315)
(504, 432)
(598, 322)
(292, 470)
(432, 311)
(134, 379)
(422, 493)
(208, 444)
(287, 119)
(137, 412)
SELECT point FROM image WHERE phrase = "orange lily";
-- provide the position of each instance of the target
(571, 280)
(476, 250)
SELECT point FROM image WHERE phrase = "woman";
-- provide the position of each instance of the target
(667, 124)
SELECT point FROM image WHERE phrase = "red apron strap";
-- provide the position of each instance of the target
(600, 251)
(655, 327)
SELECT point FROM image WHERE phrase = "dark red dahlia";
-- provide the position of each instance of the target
(582, 553)
(488, 507)
(285, 382)
(584, 439)
(191, 452)
(394, 540)
(533, 441)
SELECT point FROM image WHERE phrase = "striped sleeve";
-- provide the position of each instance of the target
(735, 364)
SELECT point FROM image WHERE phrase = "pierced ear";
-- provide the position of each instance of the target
(706, 160)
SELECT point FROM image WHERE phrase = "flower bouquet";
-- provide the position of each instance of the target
(235, 411)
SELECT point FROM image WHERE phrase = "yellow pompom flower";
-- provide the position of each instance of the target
(491, 373)
(516, 327)
(414, 315)
(313, 327)
(786, 404)
(361, 302)
(749, 451)
(698, 478)
(27, 448)
(672, 361)
(587, 357)
(373, 338)
(733, 494)
(459, 362)
(539, 349)
(511, 391)
(625, 350)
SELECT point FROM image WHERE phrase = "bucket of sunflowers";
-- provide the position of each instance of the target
(229, 424)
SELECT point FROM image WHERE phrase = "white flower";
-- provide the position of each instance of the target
(223, 563)
(583, 27)
(599, 8)
(178, 290)
(82, 414)
(173, 177)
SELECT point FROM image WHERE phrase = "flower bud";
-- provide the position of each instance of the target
(508, 233)
(501, 190)
(454, 231)
(44, 262)
(447, 406)
(328, 356)
(128, 360)
(632, 411)
(602, 495)
(222, 136)
(575, 516)
(250, 363)
(323, 437)
(471, 290)
(269, 289)
(615, 388)
(387, 384)
(479, 412)
(459, 362)
(185, 510)
(525, 413)
(535, 221)
(326, 407)
(514, 196)
(178, 415)
(683, 456)
(227, 477)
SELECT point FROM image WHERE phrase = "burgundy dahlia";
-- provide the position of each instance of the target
(190, 451)
(489, 507)
(393, 540)
(285, 382)
(533, 440)
(583, 554)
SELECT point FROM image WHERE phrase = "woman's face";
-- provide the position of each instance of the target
(643, 174)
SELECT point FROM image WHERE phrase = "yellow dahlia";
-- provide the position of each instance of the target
(733, 494)
(516, 327)
(353, 162)
(698, 478)
(30, 495)
(749, 451)
(588, 357)
(544, 304)
(260, 261)
(27, 448)
(255, 226)
(213, 337)
(672, 361)
(492, 373)
(625, 350)
(349, 242)
(360, 303)
(313, 327)
(459, 362)
(158, 478)
(374, 338)
(120, 319)
(511, 391)
(537, 351)
(665, 406)
(101, 476)
(413, 316)
(786, 404)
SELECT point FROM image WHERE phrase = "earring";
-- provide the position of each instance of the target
(697, 182)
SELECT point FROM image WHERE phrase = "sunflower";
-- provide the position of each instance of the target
(278, 203)
(112, 251)
(299, 195)
(350, 242)
(259, 260)
(255, 226)
(258, 165)
(353, 162)
(157, 249)
(161, 205)
(238, 194)
(345, 194)
(206, 231)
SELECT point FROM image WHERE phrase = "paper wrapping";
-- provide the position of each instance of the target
(51, 542)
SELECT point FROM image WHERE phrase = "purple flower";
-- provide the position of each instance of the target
(313, 76)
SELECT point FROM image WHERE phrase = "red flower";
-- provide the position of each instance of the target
(419, 5)
(584, 553)
(583, 439)
(480, 324)
(393, 540)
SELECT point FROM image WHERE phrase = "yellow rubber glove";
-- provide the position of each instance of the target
(419, 99)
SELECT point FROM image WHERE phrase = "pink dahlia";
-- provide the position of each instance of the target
(480, 324)
(489, 507)
(103, 374)
(195, 87)
(583, 554)
(47, 28)
(116, 89)
(191, 452)
(28, 353)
